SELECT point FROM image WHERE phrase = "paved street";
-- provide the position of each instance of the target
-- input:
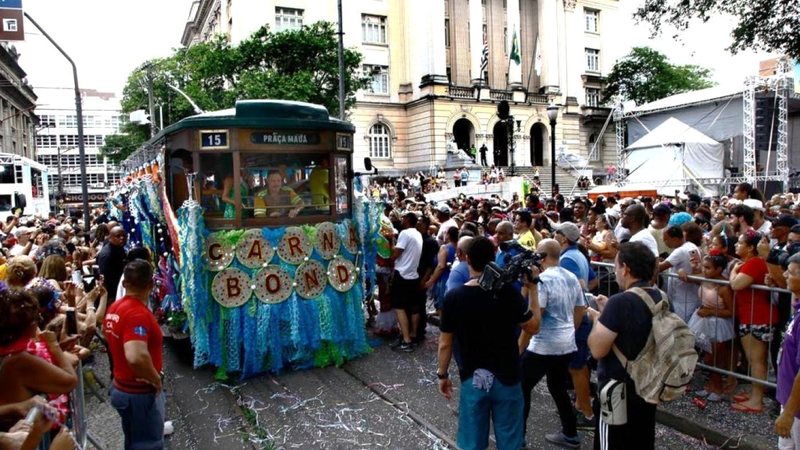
(384, 400)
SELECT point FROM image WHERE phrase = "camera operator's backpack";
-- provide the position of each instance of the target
(666, 364)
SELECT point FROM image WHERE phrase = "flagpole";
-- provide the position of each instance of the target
(508, 71)
(530, 70)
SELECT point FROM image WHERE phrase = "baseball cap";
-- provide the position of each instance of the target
(443, 208)
(661, 210)
(22, 230)
(570, 231)
(784, 220)
(754, 203)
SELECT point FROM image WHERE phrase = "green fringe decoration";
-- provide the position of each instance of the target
(328, 354)
(311, 233)
(231, 237)
(220, 374)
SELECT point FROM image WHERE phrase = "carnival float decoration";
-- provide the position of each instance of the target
(254, 299)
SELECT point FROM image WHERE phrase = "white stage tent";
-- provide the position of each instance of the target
(675, 155)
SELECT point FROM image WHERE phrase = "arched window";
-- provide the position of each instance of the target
(380, 141)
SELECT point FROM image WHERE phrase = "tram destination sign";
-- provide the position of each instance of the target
(284, 138)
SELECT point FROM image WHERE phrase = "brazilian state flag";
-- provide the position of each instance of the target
(514, 56)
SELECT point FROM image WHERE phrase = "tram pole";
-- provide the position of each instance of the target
(341, 62)
(79, 114)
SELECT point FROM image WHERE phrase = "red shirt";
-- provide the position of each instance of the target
(753, 305)
(128, 319)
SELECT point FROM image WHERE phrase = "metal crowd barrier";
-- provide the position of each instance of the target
(78, 410)
(725, 366)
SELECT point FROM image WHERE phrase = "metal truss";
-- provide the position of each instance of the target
(749, 127)
(622, 155)
(781, 91)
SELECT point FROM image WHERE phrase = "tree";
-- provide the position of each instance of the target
(297, 65)
(772, 25)
(645, 75)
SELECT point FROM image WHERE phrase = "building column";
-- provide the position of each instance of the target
(476, 41)
(427, 43)
(548, 39)
(512, 22)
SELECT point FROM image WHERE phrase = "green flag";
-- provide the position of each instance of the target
(514, 56)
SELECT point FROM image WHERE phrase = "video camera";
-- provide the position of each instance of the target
(495, 277)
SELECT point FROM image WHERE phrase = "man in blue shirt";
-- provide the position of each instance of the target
(504, 233)
(460, 273)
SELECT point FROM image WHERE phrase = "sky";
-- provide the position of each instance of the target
(702, 44)
(107, 39)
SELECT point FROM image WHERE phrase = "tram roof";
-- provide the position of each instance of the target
(279, 114)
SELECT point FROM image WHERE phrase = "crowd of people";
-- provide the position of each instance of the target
(68, 293)
(423, 183)
(711, 253)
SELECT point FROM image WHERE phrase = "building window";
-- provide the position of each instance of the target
(288, 19)
(47, 121)
(591, 19)
(373, 29)
(594, 155)
(46, 141)
(93, 140)
(380, 79)
(592, 60)
(447, 32)
(505, 40)
(592, 97)
(68, 121)
(68, 140)
(380, 141)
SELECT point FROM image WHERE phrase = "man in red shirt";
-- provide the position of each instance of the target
(134, 343)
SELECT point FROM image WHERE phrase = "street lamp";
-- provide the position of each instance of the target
(552, 114)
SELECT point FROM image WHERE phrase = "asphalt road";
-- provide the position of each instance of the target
(383, 400)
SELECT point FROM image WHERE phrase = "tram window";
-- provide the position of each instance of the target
(341, 185)
(7, 174)
(5, 203)
(215, 176)
(285, 185)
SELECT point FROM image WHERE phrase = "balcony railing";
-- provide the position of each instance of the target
(497, 94)
(539, 99)
(461, 91)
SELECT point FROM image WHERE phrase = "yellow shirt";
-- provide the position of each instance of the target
(527, 240)
(318, 185)
(288, 199)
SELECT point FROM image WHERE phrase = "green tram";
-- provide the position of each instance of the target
(263, 252)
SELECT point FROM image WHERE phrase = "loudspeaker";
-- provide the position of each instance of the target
(20, 200)
(503, 110)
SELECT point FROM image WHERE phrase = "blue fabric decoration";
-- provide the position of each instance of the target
(259, 337)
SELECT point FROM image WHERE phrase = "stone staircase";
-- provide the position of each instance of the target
(565, 179)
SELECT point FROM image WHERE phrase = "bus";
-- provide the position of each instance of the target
(262, 250)
(23, 185)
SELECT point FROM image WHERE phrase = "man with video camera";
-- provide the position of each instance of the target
(553, 348)
(484, 323)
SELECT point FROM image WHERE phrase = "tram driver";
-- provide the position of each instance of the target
(277, 199)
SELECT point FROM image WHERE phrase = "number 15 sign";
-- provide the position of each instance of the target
(213, 139)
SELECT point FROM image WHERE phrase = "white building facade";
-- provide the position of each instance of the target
(57, 143)
(429, 84)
